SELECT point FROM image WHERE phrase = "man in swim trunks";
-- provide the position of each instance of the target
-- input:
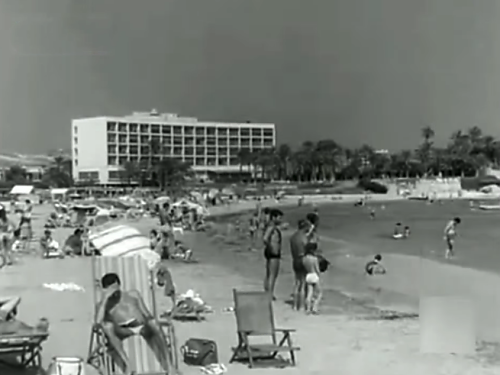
(123, 314)
(272, 250)
(298, 243)
(450, 233)
(313, 287)
(374, 266)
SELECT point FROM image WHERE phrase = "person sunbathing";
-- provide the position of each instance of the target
(122, 314)
(10, 326)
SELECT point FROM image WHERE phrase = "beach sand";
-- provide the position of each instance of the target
(348, 342)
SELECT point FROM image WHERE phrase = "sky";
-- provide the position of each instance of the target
(356, 71)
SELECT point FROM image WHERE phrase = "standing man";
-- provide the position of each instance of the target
(450, 233)
(272, 250)
(298, 243)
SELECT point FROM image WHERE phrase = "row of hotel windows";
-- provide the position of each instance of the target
(187, 130)
(144, 139)
(180, 150)
(190, 160)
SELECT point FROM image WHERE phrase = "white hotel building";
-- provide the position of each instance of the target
(100, 145)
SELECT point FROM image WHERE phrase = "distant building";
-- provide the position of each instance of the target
(100, 145)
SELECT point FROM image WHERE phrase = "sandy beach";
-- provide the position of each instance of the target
(348, 342)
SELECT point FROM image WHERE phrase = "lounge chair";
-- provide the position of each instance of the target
(134, 274)
(255, 317)
(21, 351)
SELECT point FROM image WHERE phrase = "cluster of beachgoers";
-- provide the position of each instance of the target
(158, 231)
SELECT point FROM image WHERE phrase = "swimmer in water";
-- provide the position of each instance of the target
(398, 232)
(407, 231)
(450, 233)
(374, 266)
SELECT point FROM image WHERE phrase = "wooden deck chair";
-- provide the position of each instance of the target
(255, 317)
(22, 351)
(135, 275)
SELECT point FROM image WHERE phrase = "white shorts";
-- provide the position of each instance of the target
(312, 278)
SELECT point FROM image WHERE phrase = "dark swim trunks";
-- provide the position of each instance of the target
(298, 268)
(268, 254)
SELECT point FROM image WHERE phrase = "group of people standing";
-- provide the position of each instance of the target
(10, 232)
(307, 260)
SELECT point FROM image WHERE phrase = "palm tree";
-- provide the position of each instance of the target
(244, 159)
(173, 173)
(59, 173)
(284, 155)
(130, 172)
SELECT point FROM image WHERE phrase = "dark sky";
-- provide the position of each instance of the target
(358, 71)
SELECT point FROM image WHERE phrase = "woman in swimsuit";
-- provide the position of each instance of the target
(450, 233)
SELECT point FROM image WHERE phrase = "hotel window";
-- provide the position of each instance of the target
(177, 140)
(75, 151)
(122, 127)
(134, 159)
(245, 132)
(75, 129)
(245, 142)
(166, 129)
(177, 130)
(155, 129)
(177, 151)
(144, 150)
(76, 162)
(111, 149)
(145, 139)
(200, 150)
(189, 141)
(256, 132)
(122, 160)
(233, 132)
(189, 161)
(144, 128)
(268, 142)
(222, 151)
(257, 141)
(133, 139)
(200, 131)
(234, 151)
(122, 138)
(111, 138)
(234, 142)
(268, 133)
(122, 150)
(234, 161)
(200, 161)
(211, 151)
(75, 140)
(166, 140)
(211, 161)
(200, 141)
(188, 151)
(211, 141)
(155, 159)
(188, 130)
(223, 161)
(211, 131)
(134, 150)
(222, 131)
(133, 128)
(222, 141)
(156, 139)
(111, 126)
(114, 175)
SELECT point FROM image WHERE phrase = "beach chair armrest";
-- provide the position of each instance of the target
(285, 330)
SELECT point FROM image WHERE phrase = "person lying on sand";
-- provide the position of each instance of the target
(374, 266)
(182, 251)
(122, 314)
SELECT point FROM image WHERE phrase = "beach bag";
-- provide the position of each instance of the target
(323, 263)
(199, 352)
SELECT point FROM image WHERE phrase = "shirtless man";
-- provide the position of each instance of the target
(450, 233)
(375, 267)
(272, 250)
(313, 286)
(123, 314)
(298, 243)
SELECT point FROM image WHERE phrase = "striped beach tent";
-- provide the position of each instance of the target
(126, 252)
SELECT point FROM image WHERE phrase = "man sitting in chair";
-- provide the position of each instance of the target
(10, 326)
(123, 314)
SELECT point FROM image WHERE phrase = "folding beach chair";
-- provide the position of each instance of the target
(135, 275)
(255, 317)
(22, 351)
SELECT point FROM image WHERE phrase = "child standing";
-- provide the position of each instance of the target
(313, 285)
